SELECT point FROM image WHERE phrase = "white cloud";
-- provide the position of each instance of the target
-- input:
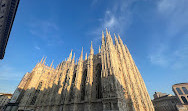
(111, 22)
(176, 13)
(37, 47)
(116, 18)
(46, 31)
(169, 48)
(9, 73)
(94, 2)
(158, 57)
(166, 6)
(173, 40)
(42, 28)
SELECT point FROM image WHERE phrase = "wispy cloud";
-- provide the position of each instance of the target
(94, 2)
(117, 17)
(37, 47)
(9, 78)
(173, 41)
(158, 56)
(9, 73)
(42, 28)
(46, 30)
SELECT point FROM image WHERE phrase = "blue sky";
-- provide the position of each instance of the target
(155, 31)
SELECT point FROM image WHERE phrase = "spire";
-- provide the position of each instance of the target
(103, 40)
(44, 60)
(102, 35)
(119, 39)
(106, 32)
(61, 64)
(81, 56)
(51, 64)
(73, 59)
(91, 49)
(86, 56)
(110, 38)
(70, 56)
(116, 40)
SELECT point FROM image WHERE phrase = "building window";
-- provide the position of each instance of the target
(83, 84)
(98, 81)
(71, 89)
(33, 100)
(184, 99)
(39, 86)
(74, 77)
(185, 90)
(36, 94)
(179, 91)
(64, 87)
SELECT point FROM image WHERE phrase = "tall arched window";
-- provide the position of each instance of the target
(36, 94)
(185, 90)
(179, 91)
(184, 99)
(63, 89)
(71, 89)
(83, 84)
(39, 86)
(73, 78)
(98, 81)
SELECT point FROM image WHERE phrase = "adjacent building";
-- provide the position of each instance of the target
(164, 102)
(181, 91)
(168, 102)
(4, 99)
(107, 81)
(8, 10)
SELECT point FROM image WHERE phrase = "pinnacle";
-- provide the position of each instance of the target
(73, 59)
(81, 56)
(119, 39)
(44, 60)
(91, 45)
(86, 56)
(70, 56)
(106, 31)
(115, 38)
(51, 63)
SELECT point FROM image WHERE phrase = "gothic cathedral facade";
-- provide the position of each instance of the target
(107, 81)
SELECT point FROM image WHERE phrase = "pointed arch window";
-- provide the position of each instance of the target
(36, 94)
(83, 84)
(73, 78)
(98, 81)
(72, 85)
(39, 86)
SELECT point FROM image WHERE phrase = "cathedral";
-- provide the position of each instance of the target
(107, 81)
